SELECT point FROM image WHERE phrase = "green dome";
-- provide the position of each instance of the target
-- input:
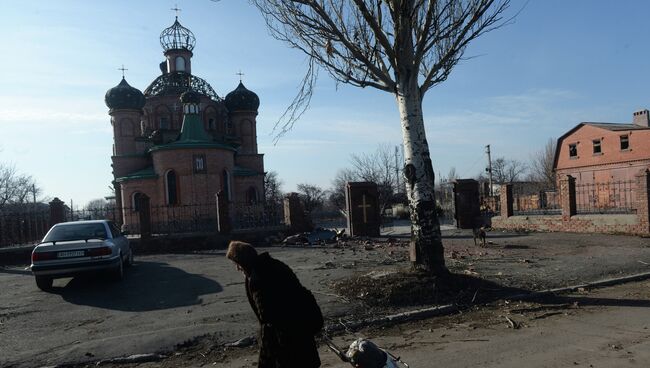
(241, 99)
(123, 96)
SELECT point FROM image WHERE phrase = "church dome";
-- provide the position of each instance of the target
(242, 99)
(123, 96)
(177, 37)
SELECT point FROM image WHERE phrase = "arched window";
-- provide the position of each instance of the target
(135, 201)
(171, 186)
(225, 183)
(163, 117)
(251, 195)
(180, 64)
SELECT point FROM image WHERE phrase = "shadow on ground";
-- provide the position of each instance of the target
(146, 286)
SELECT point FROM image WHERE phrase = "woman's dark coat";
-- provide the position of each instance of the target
(288, 315)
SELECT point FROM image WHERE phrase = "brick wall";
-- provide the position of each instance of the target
(568, 221)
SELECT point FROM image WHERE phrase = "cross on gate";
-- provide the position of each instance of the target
(365, 206)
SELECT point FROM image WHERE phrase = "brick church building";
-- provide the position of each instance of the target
(178, 143)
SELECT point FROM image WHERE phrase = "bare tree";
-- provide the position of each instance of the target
(337, 193)
(16, 188)
(273, 188)
(507, 171)
(541, 166)
(403, 47)
(312, 196)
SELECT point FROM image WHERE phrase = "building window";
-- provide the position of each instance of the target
(573, 150)
(180, 64)
(171, 185)
(212, 125)
(135, 201)
(625, 142)
(225, 184)
(597, 148)
(164, 122)
(199, 164)
(251, 195)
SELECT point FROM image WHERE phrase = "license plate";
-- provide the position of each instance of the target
(73, 253)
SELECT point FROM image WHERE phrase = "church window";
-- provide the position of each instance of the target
(135, 201)
(229, 127)
(597, 147)
(199, 164)
(180, 64)
(225, 183)
(164, 122)
(573, 150)
(625, 142)
(212, 125)
(251, 195)
(171, 185)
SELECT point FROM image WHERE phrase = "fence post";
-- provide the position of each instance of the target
(223, 213)
(568, 197)
(506, 199)
(643, 199)
(57, 212)
(144, 212)
(294, 214)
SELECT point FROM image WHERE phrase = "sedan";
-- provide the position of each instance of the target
(80, 247)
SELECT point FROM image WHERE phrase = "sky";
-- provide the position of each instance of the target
(557, 64)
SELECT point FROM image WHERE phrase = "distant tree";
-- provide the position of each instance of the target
(97, 209)
(312, 196)
(378, 167)
(452, 175)
(403, 47)
(541, 166)
(507, 171)
(16, 188)
(273, 188)
(336, 195)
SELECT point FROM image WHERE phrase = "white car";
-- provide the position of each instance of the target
(80, 247)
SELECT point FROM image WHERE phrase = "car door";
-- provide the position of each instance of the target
(120, 240)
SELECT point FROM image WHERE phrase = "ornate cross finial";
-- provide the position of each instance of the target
(123, 69)
(176, 9)
(240, 74)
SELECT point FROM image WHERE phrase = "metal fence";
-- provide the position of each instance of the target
(610, 197)
(23, 226)
(256, 216)
(543, 202)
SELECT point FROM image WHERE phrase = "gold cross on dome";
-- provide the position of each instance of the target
(240, 74)
(176, 9)
(123, 69)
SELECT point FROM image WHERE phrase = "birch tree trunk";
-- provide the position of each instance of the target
(426, 249)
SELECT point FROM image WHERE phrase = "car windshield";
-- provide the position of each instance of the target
(76, 232)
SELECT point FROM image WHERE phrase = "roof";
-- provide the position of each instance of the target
(244, 171)
(147, 173)
(615, 127)
(193, 135)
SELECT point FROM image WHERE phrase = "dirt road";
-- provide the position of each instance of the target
(166, 300)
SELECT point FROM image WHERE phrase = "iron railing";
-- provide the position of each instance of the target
(23, 226)
(610, 197)
(256, 215)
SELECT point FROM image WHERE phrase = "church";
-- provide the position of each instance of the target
(178, 143)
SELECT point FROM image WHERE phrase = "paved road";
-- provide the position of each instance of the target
(167, 299)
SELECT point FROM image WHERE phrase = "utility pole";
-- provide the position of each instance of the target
(489, 168)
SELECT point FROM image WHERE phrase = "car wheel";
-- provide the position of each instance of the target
(118, 273)
(129, 260)
(44, 283)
